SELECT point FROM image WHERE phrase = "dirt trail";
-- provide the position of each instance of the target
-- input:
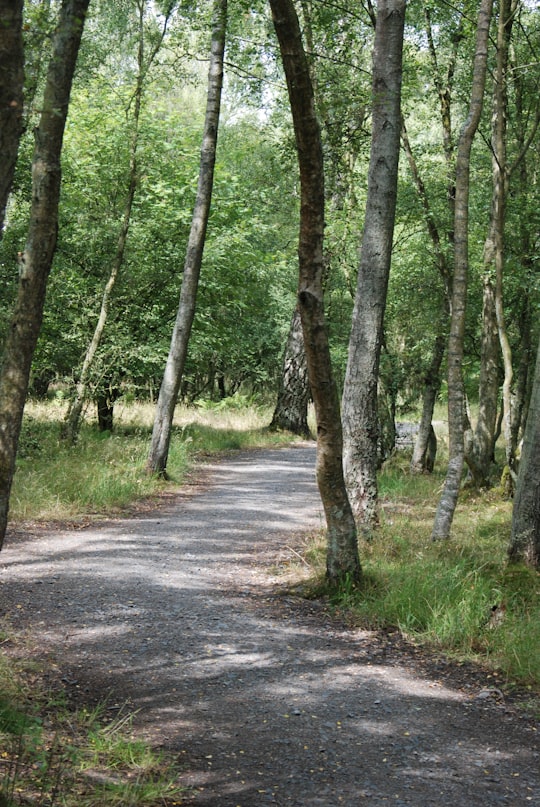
(265, 699)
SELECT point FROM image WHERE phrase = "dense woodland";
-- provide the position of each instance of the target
(411, 160)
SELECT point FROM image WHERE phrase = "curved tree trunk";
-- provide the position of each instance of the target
(359, 403)
(342, 562)
(525, 540)
(481, 454)
(456, 393)
(11, 95)
(174, 368)
(35, 262)
(293, 395)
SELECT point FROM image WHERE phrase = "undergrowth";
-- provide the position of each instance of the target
(460, 596)
(52, 755)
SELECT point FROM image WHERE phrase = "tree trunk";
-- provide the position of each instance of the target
(35, 261)
(479, 449)
(425, 447)
(11, 95)
(481, 454)
(174, 367)
(456, 394)
(342, 561)
(525, 539)
(291, 409)
(359, 405)
(73, 417)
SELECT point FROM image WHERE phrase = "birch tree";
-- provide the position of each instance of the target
(342, 561)
(525, 539)
(174, 367)
(456, 393)
(36, 259)
(144, 63)
(293, 395)
(359, 403)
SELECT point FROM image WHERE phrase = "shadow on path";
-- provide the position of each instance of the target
(263, 705)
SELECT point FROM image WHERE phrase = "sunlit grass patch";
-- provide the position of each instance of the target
(105, 472)
(460, 595)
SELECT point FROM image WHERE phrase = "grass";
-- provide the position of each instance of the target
(105, 472)
(442, 594)
(52, 755)
(439, 594)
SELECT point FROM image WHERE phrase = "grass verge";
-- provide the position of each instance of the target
(461, 596)
(51, 755)
(105, 472)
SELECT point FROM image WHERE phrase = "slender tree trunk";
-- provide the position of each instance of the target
(359, 404)
(480, 455)
(11, 95)
(507, 9)
(525, 539)
(35, 261)
(174, 368)
(342, 560)
(425, 447)
(456, 395)
(480, 445)
(73, 418)
(293, 396)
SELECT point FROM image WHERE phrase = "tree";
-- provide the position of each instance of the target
(359, 403)
(144, 63)
(342, 561)
(11, 94)
(293, 394)
(525, 539)
(172, 376)
(35, 261)
(456, 392)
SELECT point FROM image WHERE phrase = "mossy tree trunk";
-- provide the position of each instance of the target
(342, 561)
(35, 262)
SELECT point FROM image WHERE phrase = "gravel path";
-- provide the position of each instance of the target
(265, 699)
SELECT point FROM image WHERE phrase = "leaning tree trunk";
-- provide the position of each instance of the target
(11, 94)
(342, 561)
(35, 261)
(174, 367)
(525, 540)
(359, 404)
(507, 9)
(293, 395)
(456, 393)
(73, 418)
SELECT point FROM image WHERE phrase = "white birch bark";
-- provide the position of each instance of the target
(174, 367)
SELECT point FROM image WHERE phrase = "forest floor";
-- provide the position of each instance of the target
(183, 612)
